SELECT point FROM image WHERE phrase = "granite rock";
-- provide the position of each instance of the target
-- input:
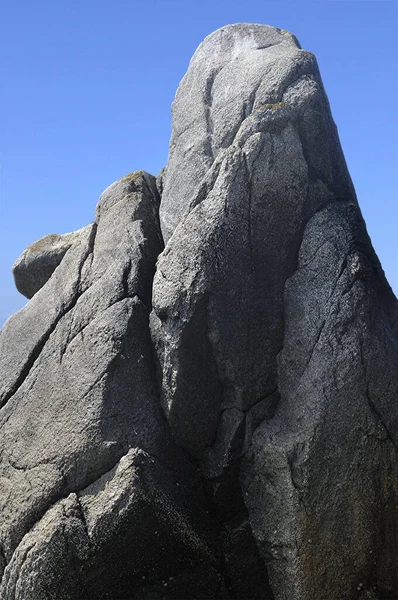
(216, 417)
(79, 394)
(274, 326)
(38, 262)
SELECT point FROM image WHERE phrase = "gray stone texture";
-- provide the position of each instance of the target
(275, 329)
(216, 418)
(127, 535)
(79, 409)
(222, 274)
(38, 262)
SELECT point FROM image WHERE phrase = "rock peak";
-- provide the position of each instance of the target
(241, 38)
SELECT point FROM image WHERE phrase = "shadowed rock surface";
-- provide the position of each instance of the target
(216, 418)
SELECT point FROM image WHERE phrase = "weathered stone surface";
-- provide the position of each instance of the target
(326, 464)
(79, 391)
(272, 316)
(38, 262)
(131, 531)
(218, 289)
(216, 418)
(243, 73)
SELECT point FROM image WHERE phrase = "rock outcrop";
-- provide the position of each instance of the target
(216, 418)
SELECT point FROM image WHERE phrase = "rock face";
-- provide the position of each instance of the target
(216, 418)
(91, 481)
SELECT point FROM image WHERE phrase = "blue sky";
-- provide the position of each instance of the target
(87, 88)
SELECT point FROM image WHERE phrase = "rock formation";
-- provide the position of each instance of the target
(215, 418)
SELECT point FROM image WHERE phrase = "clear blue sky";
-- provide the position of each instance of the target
(87, 88)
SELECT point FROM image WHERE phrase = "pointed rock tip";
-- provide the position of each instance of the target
(124, 186)
(253, 36)
(132, 177)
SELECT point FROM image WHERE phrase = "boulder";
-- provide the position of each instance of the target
(38, 262)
